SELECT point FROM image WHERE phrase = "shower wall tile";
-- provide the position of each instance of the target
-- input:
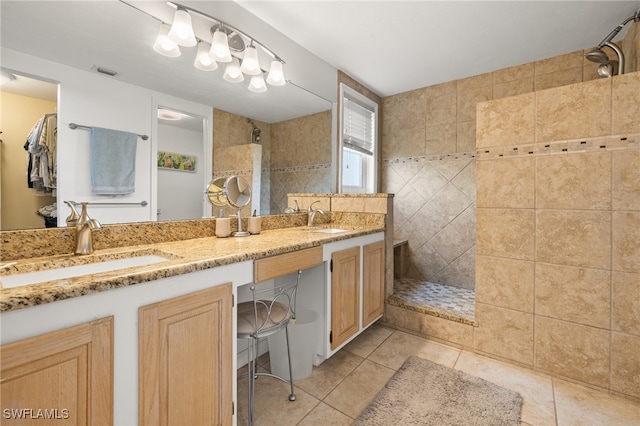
(626, 103)
(505, 122)
(428, 261)
(625, 364)
(466, 180)
(404, 143)
(447, 89)
(573, 294)
(466, 136)
(570, 112)
(507, 283)
(589, 70)
(450, 201)
(440, 139)
(440, 109)
(519, 172)
(450, 243)
(474, 82)
(504, 332)
(460, 272)
(513, 88)
(469, 96)
(558, 63)
(573, 350)
(506, 233)
(559, 78)
(519, 72)
(574, 238)
(626, 302)
(626, 241)
(403, 111)
(626, 180)
(577, 181)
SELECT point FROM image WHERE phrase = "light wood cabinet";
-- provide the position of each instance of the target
(185, 360)
(63, 377)
(345, 295)
(373, 275)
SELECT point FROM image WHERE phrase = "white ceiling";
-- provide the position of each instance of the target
(390, 46)
(397, 46)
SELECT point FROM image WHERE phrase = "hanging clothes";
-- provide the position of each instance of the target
(41, 146)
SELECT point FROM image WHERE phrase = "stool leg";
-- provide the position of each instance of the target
(292, 396)
(250, 378)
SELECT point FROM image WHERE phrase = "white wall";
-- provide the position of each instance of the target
(180, 193)
(93, 99)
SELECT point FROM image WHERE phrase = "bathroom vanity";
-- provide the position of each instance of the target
(155, 343)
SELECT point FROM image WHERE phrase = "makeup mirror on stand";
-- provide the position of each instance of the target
(233, 191)
(238, 194)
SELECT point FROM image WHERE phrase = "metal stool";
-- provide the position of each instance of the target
(269, 312)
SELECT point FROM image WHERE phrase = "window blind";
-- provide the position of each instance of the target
(358, 127)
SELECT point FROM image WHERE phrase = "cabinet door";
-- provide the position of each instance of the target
(372, 282)
(186, 359)
(63, 377)
(345, 291)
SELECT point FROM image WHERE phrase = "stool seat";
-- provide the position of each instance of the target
(271, 317)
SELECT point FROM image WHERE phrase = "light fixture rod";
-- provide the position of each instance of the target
(224, 24)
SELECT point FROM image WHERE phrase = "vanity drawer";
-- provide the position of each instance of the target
(283, 264)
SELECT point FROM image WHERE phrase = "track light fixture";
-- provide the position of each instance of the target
(224, 44)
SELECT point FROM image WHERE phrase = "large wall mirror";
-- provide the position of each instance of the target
(294, 122)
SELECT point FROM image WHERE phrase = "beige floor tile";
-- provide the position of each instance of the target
(326, 416)
(272, 405)
(535, 389)
(369, 340)
(579, 405)
(357, 390)
(400, 346)
(329, 374)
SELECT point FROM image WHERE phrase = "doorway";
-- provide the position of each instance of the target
(181, 165)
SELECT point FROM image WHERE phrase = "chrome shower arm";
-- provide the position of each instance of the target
(612, 34)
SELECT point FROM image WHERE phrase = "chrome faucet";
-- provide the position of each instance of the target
(311, 213)
(290, 210)
(84, 228)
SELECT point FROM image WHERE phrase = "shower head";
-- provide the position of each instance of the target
(597, 55)
(250, 121)
(255, 132)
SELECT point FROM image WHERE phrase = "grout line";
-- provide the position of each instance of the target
(555, 404)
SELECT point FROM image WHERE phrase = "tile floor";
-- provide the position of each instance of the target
(339, 389)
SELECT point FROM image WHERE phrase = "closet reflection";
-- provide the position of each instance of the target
(28, 153)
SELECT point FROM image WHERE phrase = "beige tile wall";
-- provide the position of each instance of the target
(300, 158)
(429, 145)
(296, 154)
(558, 234)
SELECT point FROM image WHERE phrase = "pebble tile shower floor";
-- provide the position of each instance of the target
(454, 303)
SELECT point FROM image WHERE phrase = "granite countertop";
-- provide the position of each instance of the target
(183, 257)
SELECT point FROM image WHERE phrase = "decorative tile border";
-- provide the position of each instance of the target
(436, 157)
(602, 143)
(227, 173)
(304, 168)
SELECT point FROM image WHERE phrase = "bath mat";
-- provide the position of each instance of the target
(422, 392)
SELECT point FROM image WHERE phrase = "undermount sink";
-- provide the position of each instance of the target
(20, 279)
(329, 230)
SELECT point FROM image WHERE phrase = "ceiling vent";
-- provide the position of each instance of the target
(103, 70)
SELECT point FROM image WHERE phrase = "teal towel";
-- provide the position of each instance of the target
(113, 161)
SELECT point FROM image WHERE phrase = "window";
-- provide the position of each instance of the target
(358, 142)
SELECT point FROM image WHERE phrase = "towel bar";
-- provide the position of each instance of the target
(80, 126)
(141, 203)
